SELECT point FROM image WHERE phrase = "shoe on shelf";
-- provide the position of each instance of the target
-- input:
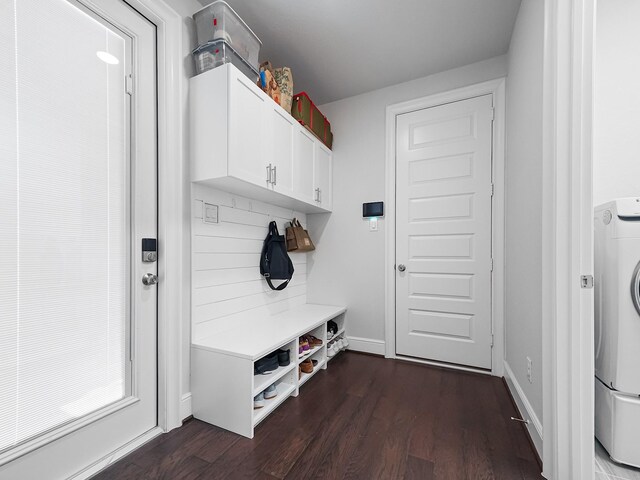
(331, 350)
(329, 335)
(304, 345)
(332, 327)
(306, 366)
(345, 342)
(271, 391)
(339, 344)
(266, 364)
(315, 362)
(258, 401)
(283, 358)
(313, 341)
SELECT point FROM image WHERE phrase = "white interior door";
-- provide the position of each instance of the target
(77, 195)
(443, 233)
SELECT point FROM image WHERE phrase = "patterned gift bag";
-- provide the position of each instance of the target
(285, 81)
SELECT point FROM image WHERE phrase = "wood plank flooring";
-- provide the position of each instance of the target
(364, 418)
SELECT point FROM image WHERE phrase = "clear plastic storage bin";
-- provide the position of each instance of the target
(218, 52)
(218, 21)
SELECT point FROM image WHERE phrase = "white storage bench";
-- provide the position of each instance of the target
(223, 384)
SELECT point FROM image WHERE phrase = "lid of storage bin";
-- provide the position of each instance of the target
(216, 44)
(222, 2)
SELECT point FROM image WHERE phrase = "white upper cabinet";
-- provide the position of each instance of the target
(304, 149)
(248, 132)
(322, 176)
(243, 142)
(283, 127)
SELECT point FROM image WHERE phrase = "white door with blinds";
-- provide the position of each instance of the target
(443, 232)
(77, 196)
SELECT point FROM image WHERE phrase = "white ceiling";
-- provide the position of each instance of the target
(340, 48)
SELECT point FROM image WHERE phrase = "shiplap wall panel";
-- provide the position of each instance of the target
(206, 278)
(225, 260)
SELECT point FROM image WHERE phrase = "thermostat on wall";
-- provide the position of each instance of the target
(373, 209)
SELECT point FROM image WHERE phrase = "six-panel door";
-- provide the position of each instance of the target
(443, 233)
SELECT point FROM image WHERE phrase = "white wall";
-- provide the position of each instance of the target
(225, 258)
(523, 178)
(347, 267)
(616, 141)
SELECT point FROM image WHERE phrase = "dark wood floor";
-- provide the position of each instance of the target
(364, 418)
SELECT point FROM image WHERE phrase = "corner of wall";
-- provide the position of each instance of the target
(534, 427)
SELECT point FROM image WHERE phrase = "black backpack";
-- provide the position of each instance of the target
(275, 263)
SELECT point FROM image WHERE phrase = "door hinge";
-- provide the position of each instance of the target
(586, 281)
(128, 84)
(492, 264)
(493, 114)
(493, 189)
(492, 339)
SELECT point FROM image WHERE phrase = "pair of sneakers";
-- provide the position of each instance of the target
(268, 393)
(337, 346)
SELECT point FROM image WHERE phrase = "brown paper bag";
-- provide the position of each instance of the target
(268, 82)
(298, 239)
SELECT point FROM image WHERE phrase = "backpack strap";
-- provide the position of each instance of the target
(282, 286)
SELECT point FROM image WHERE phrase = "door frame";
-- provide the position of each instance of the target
(172, 220)
(172, 308)
(567, 240)
(497, 89)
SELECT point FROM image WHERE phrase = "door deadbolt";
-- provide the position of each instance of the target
(149, 279)
(149, 250)
(401, 268)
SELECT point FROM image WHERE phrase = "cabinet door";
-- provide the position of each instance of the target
(322, 176)
(249, 154)
(283, 127)
(304, 148)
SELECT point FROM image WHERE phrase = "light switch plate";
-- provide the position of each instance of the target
(210, 214)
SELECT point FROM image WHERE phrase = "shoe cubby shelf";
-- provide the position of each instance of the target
(260, 382)
(308, 353)
(307, 376)
(339, 334)
(284, 391)
(223, 383)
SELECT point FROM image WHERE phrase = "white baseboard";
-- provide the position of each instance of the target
(185, 406)
(367, 345)
(117, 455)
(526, 410)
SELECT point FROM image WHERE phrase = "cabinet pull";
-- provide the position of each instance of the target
(269, 174)
(275, 176)
(317, 199)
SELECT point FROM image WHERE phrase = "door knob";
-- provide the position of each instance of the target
(401, 268)
(149, 279)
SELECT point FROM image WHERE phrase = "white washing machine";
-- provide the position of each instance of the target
(617, 328)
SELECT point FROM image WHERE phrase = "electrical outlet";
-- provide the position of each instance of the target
(529, 370)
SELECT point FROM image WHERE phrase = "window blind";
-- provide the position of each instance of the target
(64, 234)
